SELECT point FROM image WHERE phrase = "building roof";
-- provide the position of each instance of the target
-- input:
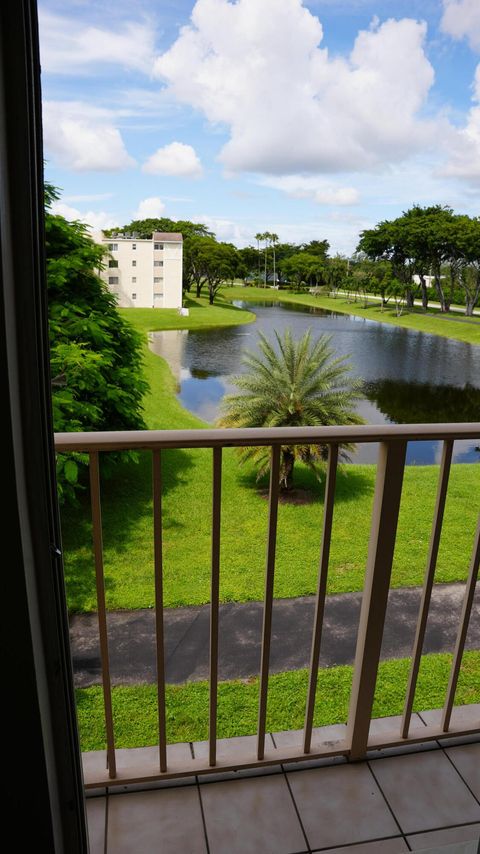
(168, 236)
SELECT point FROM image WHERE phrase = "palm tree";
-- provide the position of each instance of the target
(274, 241)
(295, 384)
(258, 238)
(266, 238)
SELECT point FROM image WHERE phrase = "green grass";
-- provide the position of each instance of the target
(128, 529)
(463, 329)
(136, 719)
(202, 316)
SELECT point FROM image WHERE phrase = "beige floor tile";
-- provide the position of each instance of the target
(235, 749)
(320, 736)
(167, 821)
(341, 805)
(381, 846)
(139, 761)
(241, 745)
(444, 837)
(425, 792)
(254, 816)
(467, 761)
(96, 808)
(463, 717)
(391, 725)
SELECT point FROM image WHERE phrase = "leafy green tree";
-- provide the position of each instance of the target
(297, 384)
(96, 362)
(303, 269)
(397, 290)
(144, 228)
(208, 263)
(336, 272)
(317, 247)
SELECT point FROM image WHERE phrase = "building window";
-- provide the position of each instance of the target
(113, 263)
(158, 263)
(134, 279)
(134, 296)
(158, 245)
(113, 280)
(112, 247)
(134, 245)
(134, 263)
(156, 280)
(157, 295)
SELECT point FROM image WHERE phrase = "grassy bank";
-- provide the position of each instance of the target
(127, 515)
(461, 329)
(136, 719)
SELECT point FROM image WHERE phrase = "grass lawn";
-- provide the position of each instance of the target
(462, 329)
(128, 529)
(135, 708)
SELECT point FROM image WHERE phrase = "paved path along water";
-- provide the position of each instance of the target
(132, 636)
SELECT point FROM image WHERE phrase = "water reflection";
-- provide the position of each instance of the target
(408, 376)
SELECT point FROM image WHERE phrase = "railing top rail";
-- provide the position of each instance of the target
(245, 437)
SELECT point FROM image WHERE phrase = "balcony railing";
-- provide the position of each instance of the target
(359, 735)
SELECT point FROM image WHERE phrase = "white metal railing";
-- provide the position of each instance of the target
(388, 489)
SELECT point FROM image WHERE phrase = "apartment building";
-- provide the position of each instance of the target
(145, 273)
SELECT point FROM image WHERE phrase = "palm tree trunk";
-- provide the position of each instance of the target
(286, 472)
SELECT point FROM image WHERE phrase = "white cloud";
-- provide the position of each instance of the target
(69, 47)
(461, 19)
(174, 159)
(83, 138)
(258, 69)
(149, 208)
(227, 230)
(463, 145)
(311, 187)
(96, 220)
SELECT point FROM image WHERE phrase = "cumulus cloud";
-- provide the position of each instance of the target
(83, 138)
(312, 112)
(96, 220)
(311, 187)
(227, 230)
(463, 144)
(177, 159)
(68, 47)
(461, 19)
(152, 207)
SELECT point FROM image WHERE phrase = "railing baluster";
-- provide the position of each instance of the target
(268, 602)
(388, 491)
(214, 597)
(101, 608)
(159, 631)
(428, 584)
(462, 630)
(321, 593)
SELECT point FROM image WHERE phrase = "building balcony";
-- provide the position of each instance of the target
(402, 783)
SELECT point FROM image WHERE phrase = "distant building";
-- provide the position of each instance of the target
(144, 273)
(429, 280)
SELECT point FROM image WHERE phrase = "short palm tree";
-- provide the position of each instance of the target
(296, 384)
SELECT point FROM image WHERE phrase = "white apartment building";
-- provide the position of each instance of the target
(144, 273)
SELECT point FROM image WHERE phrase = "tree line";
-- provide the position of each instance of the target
(427, 252)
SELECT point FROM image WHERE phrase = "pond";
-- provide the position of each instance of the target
(408, 376)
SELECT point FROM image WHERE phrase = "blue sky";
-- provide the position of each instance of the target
(310, 119)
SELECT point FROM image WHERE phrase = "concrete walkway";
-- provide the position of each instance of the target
(132, 636)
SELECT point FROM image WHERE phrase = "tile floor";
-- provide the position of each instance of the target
(390, 804)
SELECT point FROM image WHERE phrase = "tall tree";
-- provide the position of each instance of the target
(96, 361)
(258, 238)
(144, 228)
(273, 243)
